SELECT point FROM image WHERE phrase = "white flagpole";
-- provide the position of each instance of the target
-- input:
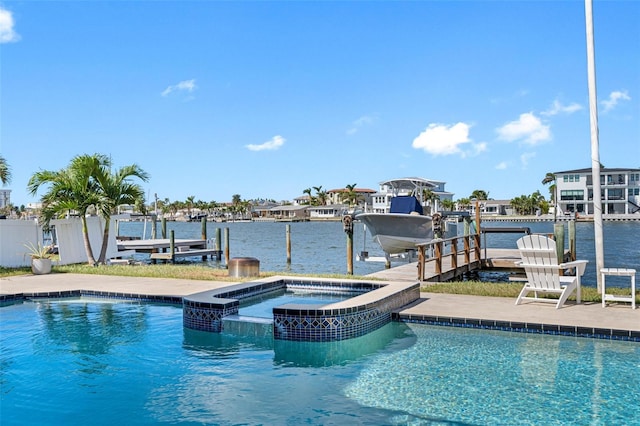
(595, 154)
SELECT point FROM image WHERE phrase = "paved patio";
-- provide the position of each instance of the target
(432, 306)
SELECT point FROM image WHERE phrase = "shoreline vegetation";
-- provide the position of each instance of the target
(195, 272)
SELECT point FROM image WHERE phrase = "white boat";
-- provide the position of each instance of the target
(405, 225)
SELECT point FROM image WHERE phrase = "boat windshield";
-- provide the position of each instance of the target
(405, 204)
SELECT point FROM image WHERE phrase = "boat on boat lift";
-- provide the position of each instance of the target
(405, 225)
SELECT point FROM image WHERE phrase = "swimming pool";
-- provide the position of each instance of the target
(365, 307)
(109, 363)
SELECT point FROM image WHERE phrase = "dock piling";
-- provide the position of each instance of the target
(218, 244)
(288, 237)
(226, 246)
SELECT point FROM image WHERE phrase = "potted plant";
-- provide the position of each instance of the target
(41, 257)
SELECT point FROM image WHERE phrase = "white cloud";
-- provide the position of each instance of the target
(614, 98)
(524, 158)
(7, 33)
(501, 166)
(365, 120)
(186, 85)
(440, 139)
(558, 108)
(479, 147)
(528, 128)
(275, 143)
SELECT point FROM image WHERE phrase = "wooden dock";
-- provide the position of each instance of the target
(157, 245)
(171, 257)
(166, 249)
(497, 260)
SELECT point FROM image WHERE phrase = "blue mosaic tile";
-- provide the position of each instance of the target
(551, 329)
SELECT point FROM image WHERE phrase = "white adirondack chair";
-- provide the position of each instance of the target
(540, 262)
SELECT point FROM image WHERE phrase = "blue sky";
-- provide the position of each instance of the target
(265, 99)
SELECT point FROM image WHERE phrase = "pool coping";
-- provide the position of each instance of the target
(521, 327)
(356, 316)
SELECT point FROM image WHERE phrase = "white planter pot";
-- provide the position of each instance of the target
(40, 266)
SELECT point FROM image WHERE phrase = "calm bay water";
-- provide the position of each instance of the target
(321, 247)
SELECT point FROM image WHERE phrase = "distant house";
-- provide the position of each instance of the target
(364, 194)
(304, 200)
(263, 211)
(496, 207)
(619, 191)
(331, 212)
(289, 213)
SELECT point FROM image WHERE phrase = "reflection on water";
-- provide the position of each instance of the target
(539, 362)
(299, 354)
(325, 354)
(224, 344)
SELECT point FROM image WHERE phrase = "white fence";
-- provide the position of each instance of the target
(14, 234)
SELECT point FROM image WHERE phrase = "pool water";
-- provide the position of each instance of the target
(262, 306)
(111, 363)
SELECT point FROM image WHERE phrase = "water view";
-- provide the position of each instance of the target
(74, 362)
(320, 247)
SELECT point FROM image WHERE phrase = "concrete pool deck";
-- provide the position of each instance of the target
(618, 316)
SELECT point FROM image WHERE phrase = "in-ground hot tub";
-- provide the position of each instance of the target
(369, 309)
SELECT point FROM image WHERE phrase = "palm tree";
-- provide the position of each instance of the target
(71, 190)
(350, 195)
(308, 192)
(464, 204)
(429, 196)
(550, 177)
(519, 204)
(479, 194)
(448, 204)
(320, 198)
(117, 190)
(87, 183)
(5, 171)
(189, 202)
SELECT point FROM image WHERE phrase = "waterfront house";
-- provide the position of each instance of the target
(619, 192)
(335, 196)
(330, 212)
(290, 213)
(303, 200)
(495, 208)
(381, 200)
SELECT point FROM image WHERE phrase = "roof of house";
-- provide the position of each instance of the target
(358, 190)
(602, 170)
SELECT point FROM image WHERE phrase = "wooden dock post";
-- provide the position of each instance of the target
(172, 244)
(572, 239)
(203, 224)
(226, 246)
(347, 226)
(154, 227)
(454, 253)
(438, 257)
(164, 227)
(218, 246)
(422, 257)
(288, 235)
(558, 234)
(350, 253)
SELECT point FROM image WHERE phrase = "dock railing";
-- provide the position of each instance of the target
(440, 250)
